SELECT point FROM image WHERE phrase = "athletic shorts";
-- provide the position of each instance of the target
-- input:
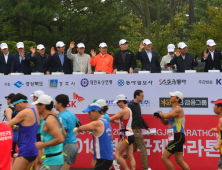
(29, 158)
(70, 153)
(177, 144)
(50, 167)
(38, 137)
(220, 162)
(103, 164)
(129, 139)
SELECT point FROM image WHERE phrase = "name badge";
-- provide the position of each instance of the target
(170, 134)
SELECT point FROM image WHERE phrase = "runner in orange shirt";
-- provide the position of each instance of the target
(102, 61)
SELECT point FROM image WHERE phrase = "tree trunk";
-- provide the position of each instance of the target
(157, 25)
(172, 21)
(23, 28)
(148, 20)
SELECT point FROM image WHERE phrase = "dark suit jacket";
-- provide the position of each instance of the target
(210, 63)
(24, 66)
(182, 64)
(118, 63)
(67, 65)
(153, 66)
(39, 65)
(6, 67)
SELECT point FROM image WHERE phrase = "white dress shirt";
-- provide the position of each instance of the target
(149, 53)
(6, 58)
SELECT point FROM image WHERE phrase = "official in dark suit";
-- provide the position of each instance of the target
(6, 59)
(184, 60)
(149, 59)
(60, 60)
(42, 61)
(21, 62)
(211, 57)
(124, 59)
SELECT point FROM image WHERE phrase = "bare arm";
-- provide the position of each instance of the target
(174, 113)
(88, 127)
(8, 114)
(18, 118)
(164, 121)
(118, 115)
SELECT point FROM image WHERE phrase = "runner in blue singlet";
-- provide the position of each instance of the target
(27, 120)
(176, 120)
(103, 152)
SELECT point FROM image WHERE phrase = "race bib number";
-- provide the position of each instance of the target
(170, 134)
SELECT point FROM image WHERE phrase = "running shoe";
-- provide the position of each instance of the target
(116, 165)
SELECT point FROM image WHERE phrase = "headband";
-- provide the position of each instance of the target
(19, 101)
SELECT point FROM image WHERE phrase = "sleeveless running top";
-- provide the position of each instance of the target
(125, 126)
(219, 135)
(101, 144)
(39, 126)
(27, 138)
(51, 150)
(177, 124)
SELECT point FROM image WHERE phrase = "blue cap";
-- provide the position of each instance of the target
(92, 106)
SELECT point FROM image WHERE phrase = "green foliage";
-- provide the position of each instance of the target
(133, 30)
(206, 29)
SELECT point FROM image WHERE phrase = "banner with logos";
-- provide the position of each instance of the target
(198, 89)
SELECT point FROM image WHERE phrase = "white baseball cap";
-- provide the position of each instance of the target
(43, 99)
(182, 45)
(177, 93)
(40, 47)
(80, 45)
(37, 93)
(101, 102)
(147, 41)
(211, 42)
(123, 41)
(20, 45)
(171, 48)
(103, 44)
(4, 45)
(60, 44)
(120, 97)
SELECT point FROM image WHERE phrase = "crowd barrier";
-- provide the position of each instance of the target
(199, 90)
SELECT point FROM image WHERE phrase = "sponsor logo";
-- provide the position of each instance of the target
(53, 83)
(205, 82)
(76, 98)
(84, 82)
(190, 102)
(18, 84)
(120, 82)
(79, 98)
(218, 81)
(172, 81)
(142, 104)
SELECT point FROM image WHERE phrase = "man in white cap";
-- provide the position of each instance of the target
(42, 60)
(126, 133)
(167, 58)
(21, 62)
(183, 59)
(80, 60)
(176, 120)
(149, 59)
(211, 57)
(124, 59)
(60, 60)
(6, 59)
(103, 61)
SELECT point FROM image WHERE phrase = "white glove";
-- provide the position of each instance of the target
(91, 150)
(75, 131)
